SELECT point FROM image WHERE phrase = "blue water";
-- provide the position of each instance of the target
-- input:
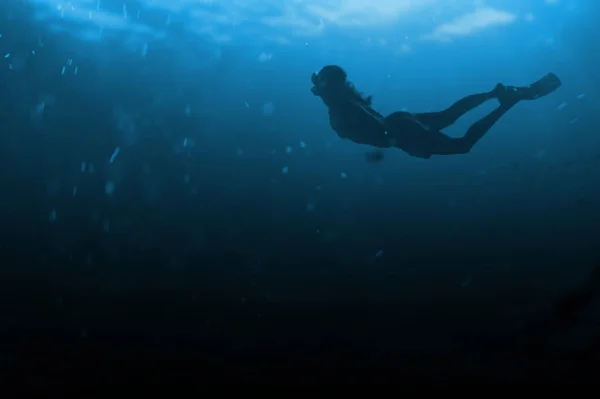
(172, 149)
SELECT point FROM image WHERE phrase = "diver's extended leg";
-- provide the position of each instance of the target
(443, 119)
(506, 95)
(440, 144)
(482, 126)
(509, 96)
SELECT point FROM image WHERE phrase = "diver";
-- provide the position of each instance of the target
(418, 134)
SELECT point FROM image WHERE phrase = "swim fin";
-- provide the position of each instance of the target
(510, 95)
(546, 85)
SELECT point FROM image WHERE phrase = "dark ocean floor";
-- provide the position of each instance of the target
(66, 326)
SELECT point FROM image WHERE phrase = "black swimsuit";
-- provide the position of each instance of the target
(363, 125)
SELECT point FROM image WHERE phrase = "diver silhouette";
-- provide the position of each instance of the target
(418, 134)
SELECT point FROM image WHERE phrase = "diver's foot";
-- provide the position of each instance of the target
(510, 95)
(507, 95)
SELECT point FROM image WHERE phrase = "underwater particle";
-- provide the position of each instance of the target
(562, 105)
(374, 156)
(7, 55)
(343, 175)
(114, 155)
(268, 109)
(284, 170)
(310, 207)
(18, 61)
(109, 187)
(580, 96)
(302, 144)
(39, 109)
(83, 167)
(288, 149)
(264, 57)
(186, 179)
(379, 253)
(52, 217)
(466, 281)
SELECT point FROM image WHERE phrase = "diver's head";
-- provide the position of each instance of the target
(328, 79)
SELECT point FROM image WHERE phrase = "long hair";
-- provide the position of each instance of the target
(337, 77)
(358, 96)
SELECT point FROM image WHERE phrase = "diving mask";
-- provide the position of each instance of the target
(318, 82)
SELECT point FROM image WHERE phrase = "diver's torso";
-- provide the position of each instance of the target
(359, 127)
(362, 126)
